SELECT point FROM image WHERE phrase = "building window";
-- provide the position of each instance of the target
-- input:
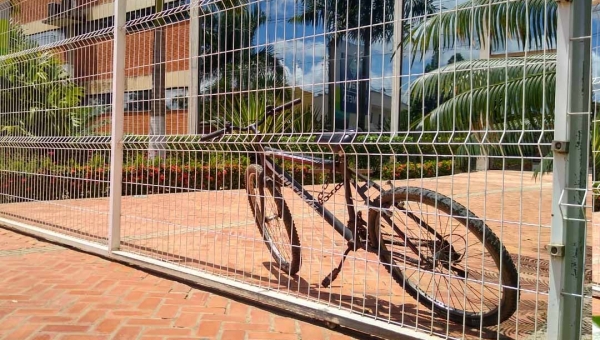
(139, 14)
(138, 101)
(98, 103)
(177, 98)
(48, 37)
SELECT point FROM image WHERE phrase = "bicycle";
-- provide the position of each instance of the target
(432, 251)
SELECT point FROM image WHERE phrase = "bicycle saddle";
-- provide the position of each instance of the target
(341, 137)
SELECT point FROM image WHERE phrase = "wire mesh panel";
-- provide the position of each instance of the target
(596, 142)
(393, 162)
(417, 151)
(595, 161)
(55, 160)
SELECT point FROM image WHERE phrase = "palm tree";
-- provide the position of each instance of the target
(322, 12)
(366, 21)
(531, 23)
(37, 96)
(374, 20)
(231, 63)
(512, 99)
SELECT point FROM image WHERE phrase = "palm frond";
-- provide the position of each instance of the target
(463, 76)
(313, 13)
(522, 99)
(489, 23)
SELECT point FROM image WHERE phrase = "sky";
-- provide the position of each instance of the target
(303, 49)
(596, 53)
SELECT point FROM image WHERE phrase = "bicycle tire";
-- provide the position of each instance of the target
(476, 226)
(256, 179)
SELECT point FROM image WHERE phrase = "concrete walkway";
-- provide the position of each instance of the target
(51, 292)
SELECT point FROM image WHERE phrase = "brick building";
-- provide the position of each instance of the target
(81, 32)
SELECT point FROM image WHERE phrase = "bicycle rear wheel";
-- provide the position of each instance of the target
(443, 268)
(270, 210)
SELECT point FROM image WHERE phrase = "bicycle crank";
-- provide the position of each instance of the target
(336, 271)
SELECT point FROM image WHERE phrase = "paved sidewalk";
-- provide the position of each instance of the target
(51, 292)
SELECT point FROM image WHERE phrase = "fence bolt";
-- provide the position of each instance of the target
(556, 250)
(560, 146)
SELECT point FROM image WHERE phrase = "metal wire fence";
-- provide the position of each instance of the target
(399, 165)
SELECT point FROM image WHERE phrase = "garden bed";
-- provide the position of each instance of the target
(54, 182)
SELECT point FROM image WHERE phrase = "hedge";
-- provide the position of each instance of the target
(92, 181)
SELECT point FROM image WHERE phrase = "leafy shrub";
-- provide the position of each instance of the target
(417, 170)
(43, 180)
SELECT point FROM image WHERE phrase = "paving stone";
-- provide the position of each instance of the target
(135, 316)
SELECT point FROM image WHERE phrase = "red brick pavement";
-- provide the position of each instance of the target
(214, 232)
(50, 292)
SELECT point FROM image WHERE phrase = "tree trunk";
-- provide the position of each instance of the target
(364, 89)
(329, 121)
(157, 147)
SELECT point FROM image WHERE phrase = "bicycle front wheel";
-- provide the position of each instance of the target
(274, 220)
(444, 256)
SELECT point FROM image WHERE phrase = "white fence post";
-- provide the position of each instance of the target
(194, 77)
(570, 173)
(116, 144)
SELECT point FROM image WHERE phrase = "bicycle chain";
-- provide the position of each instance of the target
(322, 198)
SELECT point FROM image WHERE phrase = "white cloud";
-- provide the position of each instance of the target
(312, 80)
(305, 62)
(299, 50)
(596, 66)
(280, 8)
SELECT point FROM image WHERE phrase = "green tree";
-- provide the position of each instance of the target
(231, 63)
(511, 98)
(366, 21)
(37, 96)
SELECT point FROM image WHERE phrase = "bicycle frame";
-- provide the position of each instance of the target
(354, 230)
(265, 159)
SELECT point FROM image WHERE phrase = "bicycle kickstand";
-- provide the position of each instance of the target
(334, 273)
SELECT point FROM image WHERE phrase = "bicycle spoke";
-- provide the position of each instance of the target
(441, 273)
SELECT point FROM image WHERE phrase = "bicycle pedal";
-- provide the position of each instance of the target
(330, 278)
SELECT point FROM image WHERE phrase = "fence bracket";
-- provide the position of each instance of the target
(560, 146)
(556, 250)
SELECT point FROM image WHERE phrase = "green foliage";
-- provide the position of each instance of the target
(37, 98)
(499, 107)
(243, 110)
(487, 22)
(39, 178)
(232, 61)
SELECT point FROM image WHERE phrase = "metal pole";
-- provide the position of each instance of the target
(194, 81)
(570, 174)
(116, 142)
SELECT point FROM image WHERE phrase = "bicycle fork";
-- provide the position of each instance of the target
(358, 226)
(358, 242)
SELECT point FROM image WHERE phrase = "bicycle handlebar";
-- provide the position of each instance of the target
(273, 111)
(270, 111)
(214, 134)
